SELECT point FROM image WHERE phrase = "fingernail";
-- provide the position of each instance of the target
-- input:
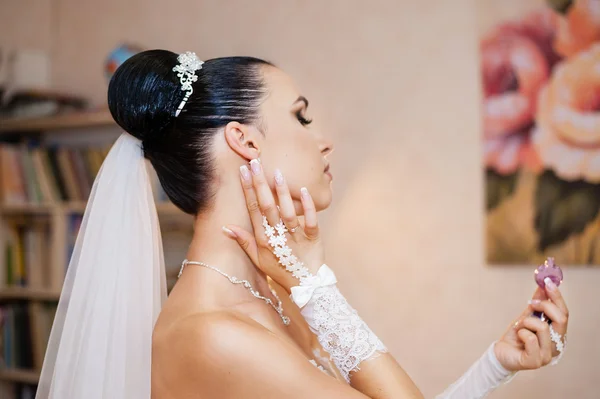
(278, 177)
(534, 301)
(245, 172)
(304, 193)
(255, 165)
(229, 232)
(549, 284)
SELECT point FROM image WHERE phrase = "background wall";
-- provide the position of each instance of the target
(396, 84)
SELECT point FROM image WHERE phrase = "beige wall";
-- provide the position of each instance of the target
(396, 84)
(26, 23)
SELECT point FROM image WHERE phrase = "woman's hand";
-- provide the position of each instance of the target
(304, 240)
(527, 344)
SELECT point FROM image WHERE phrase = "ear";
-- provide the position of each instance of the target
(243, 140)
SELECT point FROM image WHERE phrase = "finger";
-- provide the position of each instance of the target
(286, 204)
(311, 223)
(542, 331)
(245, 240)
(264, 194)
(530, 358)
(252, 202)
(551, 310)
(540, 294)
(556, 296)
(526, 313)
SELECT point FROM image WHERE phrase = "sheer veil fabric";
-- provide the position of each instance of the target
(101, 340)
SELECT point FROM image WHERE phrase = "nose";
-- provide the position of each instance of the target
(326, 147)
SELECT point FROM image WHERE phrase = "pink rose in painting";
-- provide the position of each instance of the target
(579, 29)
(567, 132)
(515, 63)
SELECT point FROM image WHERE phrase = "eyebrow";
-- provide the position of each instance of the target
(301, 99)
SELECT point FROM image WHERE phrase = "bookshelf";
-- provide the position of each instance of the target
(97, 118)
(163, 209)
(43, 195)
(39, 294)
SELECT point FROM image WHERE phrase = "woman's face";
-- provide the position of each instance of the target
(290, 143)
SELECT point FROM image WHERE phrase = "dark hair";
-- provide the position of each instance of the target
(144, 94)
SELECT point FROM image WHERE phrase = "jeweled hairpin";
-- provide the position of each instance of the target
(189, 63)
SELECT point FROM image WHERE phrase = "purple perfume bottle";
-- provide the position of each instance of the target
(548, 270)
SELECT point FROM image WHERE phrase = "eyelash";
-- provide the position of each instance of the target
(303, 121)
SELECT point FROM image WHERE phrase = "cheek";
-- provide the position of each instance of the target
(298, 157)
(300, 160)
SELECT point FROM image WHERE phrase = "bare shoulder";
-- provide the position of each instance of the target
(211, 334)
(215, 333)
(228, 355)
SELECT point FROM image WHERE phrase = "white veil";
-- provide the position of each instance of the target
(101, 340)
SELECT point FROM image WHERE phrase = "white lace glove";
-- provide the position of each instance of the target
(485, 375)
(339, 329)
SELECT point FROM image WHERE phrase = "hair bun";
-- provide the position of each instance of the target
(144, 92)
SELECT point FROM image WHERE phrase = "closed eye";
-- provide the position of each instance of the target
(302, 119)
(299, 113)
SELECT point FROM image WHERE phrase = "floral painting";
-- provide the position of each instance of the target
(541, 135)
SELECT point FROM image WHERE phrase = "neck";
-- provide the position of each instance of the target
(213, 247)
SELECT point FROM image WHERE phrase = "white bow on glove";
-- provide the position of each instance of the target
(302, 293)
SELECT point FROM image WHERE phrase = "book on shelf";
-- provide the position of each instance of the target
(32, 174)
(28, 257)
(74, 223)
(18, 391)
(24, 333)
(26, 251)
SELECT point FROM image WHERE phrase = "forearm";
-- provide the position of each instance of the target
(382, 377)
(357, 352)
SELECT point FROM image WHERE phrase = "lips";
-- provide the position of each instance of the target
(327, 172)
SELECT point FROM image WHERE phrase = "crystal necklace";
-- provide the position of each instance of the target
(245, 283)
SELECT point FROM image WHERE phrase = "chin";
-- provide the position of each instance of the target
(322, 196)
(323, 199)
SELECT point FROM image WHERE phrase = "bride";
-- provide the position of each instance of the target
(256, 312)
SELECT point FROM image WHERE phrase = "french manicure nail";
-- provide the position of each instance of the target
(304, 193)
(245, 172)
(278, 177)
(534, 301)
(549, 284)
(229, 232)
(255, 166)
